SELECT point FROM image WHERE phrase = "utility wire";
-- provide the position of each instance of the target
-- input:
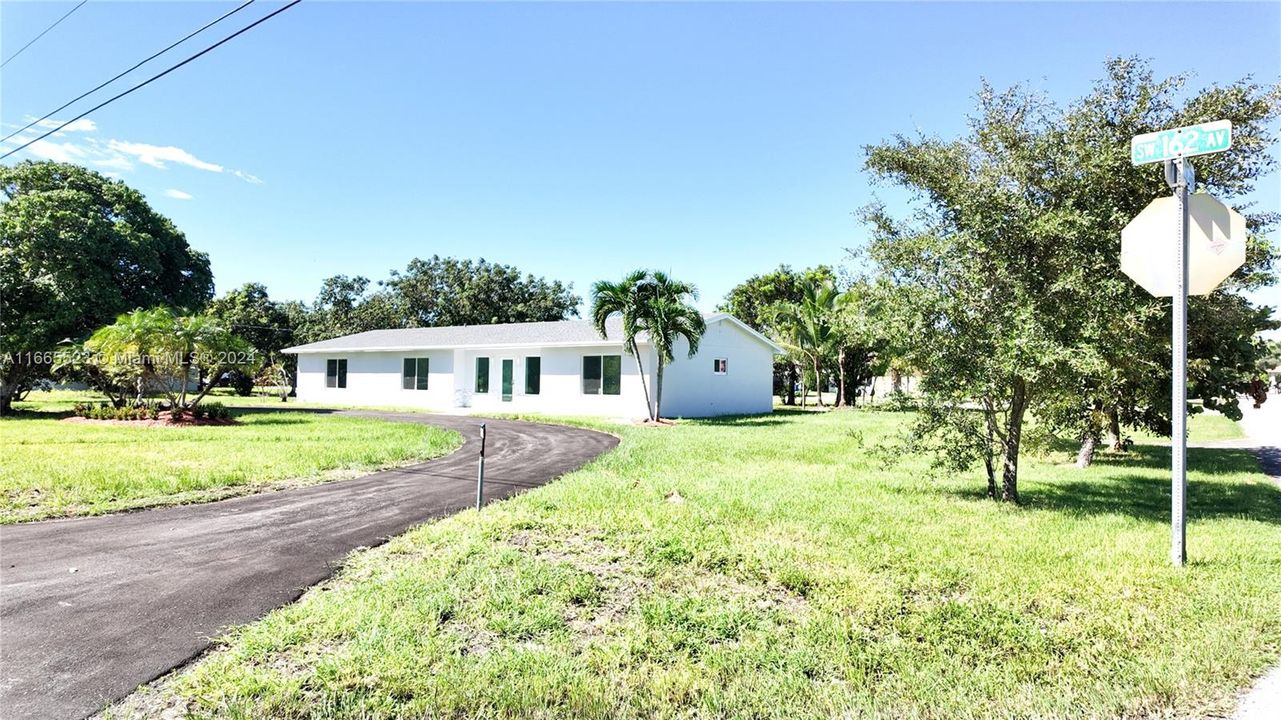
(82, 96)
(152, 79)
(34, 39)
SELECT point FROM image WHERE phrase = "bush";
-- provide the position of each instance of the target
(242, 383)
(216, 411)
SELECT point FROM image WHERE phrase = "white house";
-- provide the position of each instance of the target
(562, 368)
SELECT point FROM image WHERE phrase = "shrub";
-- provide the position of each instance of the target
(216, 411)
(242, 383)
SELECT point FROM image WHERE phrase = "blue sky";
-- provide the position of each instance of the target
(575, 141)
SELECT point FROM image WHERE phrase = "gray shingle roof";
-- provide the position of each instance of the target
(563, 332)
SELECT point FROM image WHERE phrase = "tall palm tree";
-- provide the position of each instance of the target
(810, 326)
(671, 317)
(623, 298)
(658, 305)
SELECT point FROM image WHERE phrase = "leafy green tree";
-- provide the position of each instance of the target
(864, 351)
(1002, 293)
(658, 305)
(446, 291)
(77, 249)
(753, 301)
(1124, 334)
(249, 312)
(809, 325)
(160, 351)
(430, 293)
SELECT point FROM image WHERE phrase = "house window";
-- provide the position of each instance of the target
(414, 376)
(336, 373)
(482, 375)
(533, 375)
(720, 366)
(602, 374)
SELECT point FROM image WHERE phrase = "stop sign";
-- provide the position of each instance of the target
(1150, 245)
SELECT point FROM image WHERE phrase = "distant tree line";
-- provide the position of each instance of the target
(80, 253)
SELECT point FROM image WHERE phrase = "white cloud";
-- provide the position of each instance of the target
(58, 152)
(157, 156)
(81, 125)
(114, 155)
(115, 162)
(251, 179)
(177, 194)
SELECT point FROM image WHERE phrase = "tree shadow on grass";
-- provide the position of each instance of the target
(1117, 492)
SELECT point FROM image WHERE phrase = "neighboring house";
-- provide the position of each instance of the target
(562, 368)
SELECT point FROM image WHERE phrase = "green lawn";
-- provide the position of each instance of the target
(771, 567)
(51, 468)
(1204, 427)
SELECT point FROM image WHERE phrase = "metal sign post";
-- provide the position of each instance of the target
(1179, 175)
(480, 470)
(1146, 251)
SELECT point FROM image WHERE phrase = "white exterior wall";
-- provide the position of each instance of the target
(692, 389)
(561, 387)
(374, 378)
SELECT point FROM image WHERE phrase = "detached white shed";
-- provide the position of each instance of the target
(556, 368)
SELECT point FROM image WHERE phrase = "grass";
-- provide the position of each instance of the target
(1203, 427)
(54, 469)
(772, 568)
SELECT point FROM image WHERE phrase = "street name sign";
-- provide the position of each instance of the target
(1184, 243)
(1187, 141)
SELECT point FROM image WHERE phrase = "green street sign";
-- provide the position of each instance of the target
(1182, 142)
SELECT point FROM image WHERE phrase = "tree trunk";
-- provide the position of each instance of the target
(1013, 436)
(896, 381)
(649, 409)
(989, 462)
(1085, 456)
(658, 391)
(818, 383)
(841, 399)
(8, 391)
(186, 378)
(1114, 430)
(791, 383)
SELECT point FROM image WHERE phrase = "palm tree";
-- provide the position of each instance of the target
(809, 328)
(623, 298)
(128, 346)
(159, 346)
(658, 305)
(671, 317)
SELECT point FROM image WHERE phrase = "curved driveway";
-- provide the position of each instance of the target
(91, 608)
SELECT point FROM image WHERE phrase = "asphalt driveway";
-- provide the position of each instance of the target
(91, 608)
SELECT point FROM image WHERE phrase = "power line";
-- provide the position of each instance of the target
(152, 79)
(34, 39)
(80, 97)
